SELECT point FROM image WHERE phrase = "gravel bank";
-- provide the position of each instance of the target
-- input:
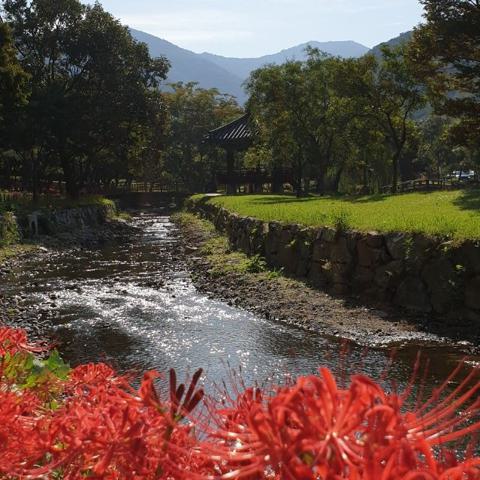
(294, 302)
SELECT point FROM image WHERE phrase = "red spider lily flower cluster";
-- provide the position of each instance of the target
(15, 340)
(94, 424)
(315, 430)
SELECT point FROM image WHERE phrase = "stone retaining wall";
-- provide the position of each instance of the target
(53, 222)
(421, 274)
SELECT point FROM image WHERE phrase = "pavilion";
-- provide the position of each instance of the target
(236, 136)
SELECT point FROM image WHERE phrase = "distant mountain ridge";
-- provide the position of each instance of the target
(229, 74)
(187, 66)
(242, 67)
(394, 42)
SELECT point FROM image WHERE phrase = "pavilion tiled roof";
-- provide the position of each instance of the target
(236, 133)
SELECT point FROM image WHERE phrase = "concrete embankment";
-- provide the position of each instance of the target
(428, 276)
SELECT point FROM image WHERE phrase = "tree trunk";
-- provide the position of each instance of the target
(336, 180)
(72, 187)
(320, 188)
(395, 171)
(276, 181)
(34, 160)
(306, 186)
(299, 179)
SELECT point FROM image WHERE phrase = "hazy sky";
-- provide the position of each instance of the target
(246, 28)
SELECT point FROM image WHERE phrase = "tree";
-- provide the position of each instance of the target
(436, 153)
(92, 86)
(300, 115)
(446, 54)
(13, 84)
(193, 112)
(387, 92)
(276, 93)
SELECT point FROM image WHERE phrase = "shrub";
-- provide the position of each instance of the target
(256, 264)
(341, 221)
(9, 232)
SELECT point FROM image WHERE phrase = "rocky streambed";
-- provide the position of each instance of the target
(16, 307)
(149, 299)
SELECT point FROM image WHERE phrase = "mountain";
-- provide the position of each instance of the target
(228, 74)
(187, 66)
(394, 42)
(242, 67)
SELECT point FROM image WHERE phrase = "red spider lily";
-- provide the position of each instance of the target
(315, 430)
(92, 374)
(117, 434)
(19, 428)
(102, 428)
(14, 340)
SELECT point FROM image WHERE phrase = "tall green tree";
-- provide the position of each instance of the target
(91, 85)
(386, 91)
(446, 54)
(193, 112)
(13, 84)
(301, 116)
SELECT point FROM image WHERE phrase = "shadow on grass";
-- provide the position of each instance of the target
(275, 200)
(469, 200)
(367, 199)
(272, 199)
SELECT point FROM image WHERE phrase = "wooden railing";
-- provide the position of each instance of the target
(58, 189)
(17, 197)
(255, 175)
(138, 187)
(428, 185)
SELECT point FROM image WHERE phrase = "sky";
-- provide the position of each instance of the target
(251, 28)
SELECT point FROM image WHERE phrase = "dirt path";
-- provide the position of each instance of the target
(246, 283)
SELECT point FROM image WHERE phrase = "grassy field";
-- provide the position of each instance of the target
(455, 214)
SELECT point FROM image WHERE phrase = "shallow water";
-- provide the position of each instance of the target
(134, 305)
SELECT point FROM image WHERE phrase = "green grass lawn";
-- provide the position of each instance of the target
(455, 213)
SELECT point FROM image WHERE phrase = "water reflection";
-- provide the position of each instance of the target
(134, 306)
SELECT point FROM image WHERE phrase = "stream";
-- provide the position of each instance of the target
(133, 305)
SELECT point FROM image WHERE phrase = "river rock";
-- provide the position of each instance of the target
(368, 256)
(272, 242)
(362, 279)
(473, 318)
(316, 275)
(420, 250)
(340, 273)
(321, 250)
(329, 234)
(288, 257)
(304, 249)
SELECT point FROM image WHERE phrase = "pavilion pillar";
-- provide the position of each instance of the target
(231, 186)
